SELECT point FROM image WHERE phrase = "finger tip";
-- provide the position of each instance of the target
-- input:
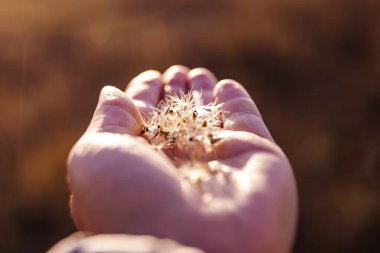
(175, 73)
(202, 73)
(227, 84)
(203, 81)
(111, 93)
(176, 68)
(175, 79)
(108, 89)
(150, 74)
(229, 88)
(150, 77)
(147, 87)
(115, 112)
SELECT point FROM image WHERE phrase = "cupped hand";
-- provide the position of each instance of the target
(120, 184)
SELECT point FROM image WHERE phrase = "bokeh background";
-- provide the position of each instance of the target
(313, 67)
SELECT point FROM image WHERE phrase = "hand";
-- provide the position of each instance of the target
(120, 184)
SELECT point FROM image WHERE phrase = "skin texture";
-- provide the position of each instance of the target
(120, 184)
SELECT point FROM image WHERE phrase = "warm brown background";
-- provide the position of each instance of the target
(313, 67)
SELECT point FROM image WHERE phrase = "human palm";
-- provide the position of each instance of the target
(120, 184)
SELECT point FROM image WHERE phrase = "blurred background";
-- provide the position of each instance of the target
(313, 68)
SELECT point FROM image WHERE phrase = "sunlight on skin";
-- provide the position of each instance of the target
(121, 185)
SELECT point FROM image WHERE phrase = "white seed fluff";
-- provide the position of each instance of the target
(186, 129)
(183, 122)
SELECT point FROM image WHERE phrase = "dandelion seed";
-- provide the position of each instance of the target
(144, 130)
(195, 114)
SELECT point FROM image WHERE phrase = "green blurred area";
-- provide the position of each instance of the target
(313, 68)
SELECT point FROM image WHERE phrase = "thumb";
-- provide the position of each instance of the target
(115, 113)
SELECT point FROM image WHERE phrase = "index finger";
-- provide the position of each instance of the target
(146, 90)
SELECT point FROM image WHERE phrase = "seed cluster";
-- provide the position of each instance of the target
(186, 129)
(183, 122)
